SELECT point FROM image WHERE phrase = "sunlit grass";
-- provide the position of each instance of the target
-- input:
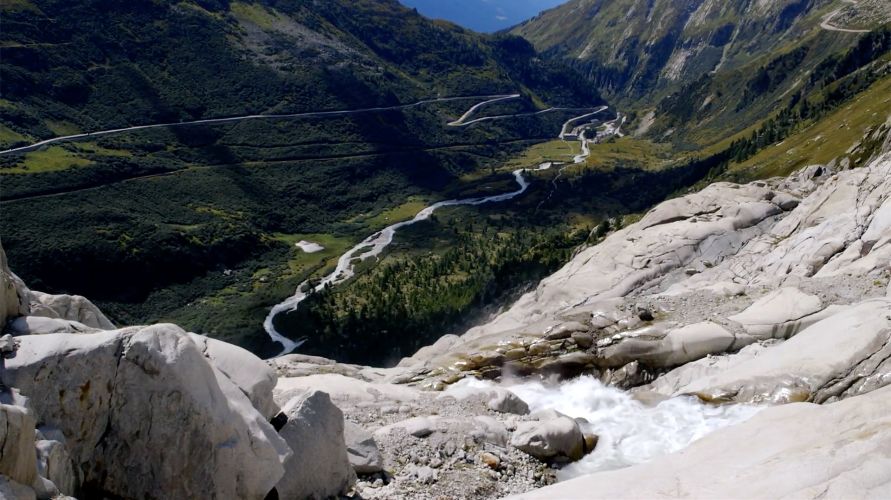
(52, 159)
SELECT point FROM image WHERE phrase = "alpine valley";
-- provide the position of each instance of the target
(336, 249)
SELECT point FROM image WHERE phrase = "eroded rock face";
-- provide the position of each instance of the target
(711, 224)
(847, 354)
(715, 271)
(145, 414)
(779, 314)
(319, 467)
(677, 347)
(11, 490)
(840, 227)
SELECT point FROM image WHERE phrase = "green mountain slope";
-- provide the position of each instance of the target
(696, 74)
(98, 64)
(189, 214)
(643, 50)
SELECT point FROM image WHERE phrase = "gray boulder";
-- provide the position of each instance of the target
(70, 307)
(504, 401)
(320, 466)
(553, 439)
(54, 463)
(419, 427)
(145, 415)
(362, 450)
(785, 201)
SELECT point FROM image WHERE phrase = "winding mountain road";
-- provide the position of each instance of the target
(310, 114)
(826, 24)
(460, 121)
(566, 126)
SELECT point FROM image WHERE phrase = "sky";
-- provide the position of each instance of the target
(482, 15)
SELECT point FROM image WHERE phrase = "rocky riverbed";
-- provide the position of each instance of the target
(733, 342)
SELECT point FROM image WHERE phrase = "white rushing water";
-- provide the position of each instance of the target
(629, 432)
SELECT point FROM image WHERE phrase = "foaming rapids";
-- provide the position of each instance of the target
(629, 431)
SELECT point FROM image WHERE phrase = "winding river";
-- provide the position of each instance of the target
(373, 245)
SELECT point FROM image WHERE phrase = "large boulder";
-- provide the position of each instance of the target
(799, 450)
(252, 375)
(553, 439)
(146, 415)
(364, 455)
(70, 307)
(319, 467)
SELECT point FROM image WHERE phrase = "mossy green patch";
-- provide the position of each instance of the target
(52, 159)
(93, 148)
(61, 127)
(629, 151)
(305, 264)
(18, 5)
(254, 14)
(9, 136)
(400, 213)
(553, 151)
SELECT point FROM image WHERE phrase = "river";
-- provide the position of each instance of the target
(373, 245)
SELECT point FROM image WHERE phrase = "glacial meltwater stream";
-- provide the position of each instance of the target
(372, 247)
(629, 432)
(377, 242)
